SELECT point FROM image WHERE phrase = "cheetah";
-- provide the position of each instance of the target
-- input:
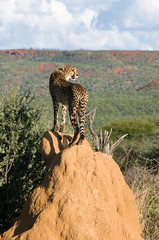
(68, 94)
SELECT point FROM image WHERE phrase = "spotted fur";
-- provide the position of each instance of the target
(71, 94)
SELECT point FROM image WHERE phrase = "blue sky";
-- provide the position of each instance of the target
(82, 24)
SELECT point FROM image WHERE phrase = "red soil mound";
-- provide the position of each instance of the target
(83, 196)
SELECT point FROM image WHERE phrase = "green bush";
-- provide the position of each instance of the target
(148, 147)
(21, 166)
(134, 129)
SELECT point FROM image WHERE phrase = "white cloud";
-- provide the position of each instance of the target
(7, 6)
(31, 11)
(56, 10)
(142, 14)
(108, 39)
(69, 24)
(95, 5)
(87, 16)
(7, 11)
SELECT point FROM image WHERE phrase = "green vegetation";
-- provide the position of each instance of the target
(131, 106)
(100, 71)
(134, 129)
(21, 166)
(138, 158)
(111, 78)
(123, 85)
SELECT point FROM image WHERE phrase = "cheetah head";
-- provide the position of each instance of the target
(70, 72)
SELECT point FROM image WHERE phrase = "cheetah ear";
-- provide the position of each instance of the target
(62, 68)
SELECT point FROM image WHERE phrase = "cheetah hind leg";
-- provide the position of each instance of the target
(82, 134)
(80, 140)
(74, 137)
(73, 119)
(55, 128)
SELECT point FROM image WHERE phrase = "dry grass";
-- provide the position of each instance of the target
(144, 184)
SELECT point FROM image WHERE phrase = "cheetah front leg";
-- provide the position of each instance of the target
(62, 127)
(56, 108)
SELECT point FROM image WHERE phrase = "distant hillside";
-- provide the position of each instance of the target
(111, 78)
(99, 71)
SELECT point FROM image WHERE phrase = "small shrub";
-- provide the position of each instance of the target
(134, 129)
(148, 147)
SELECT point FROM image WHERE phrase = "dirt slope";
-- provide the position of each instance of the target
(83, 197)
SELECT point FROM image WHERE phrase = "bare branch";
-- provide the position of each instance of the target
(101, 138)
(103, 144)
(119, 141)
(90, 116)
